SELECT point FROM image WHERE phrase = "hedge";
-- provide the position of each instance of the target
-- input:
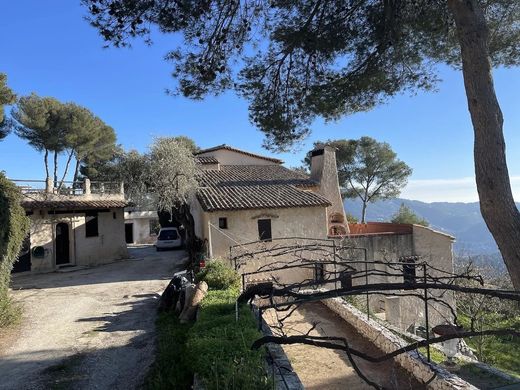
(14, 226)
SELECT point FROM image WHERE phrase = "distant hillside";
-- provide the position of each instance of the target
(462, 220)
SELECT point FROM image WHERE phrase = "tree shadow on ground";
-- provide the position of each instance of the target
(123, 365)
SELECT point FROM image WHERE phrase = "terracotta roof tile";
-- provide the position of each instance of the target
(68, 204)
(240, 187)
(206, 160)
(226, 147)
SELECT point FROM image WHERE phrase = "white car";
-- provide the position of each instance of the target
(168, 238)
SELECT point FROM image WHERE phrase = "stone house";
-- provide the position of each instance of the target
(79, 225)
(141, 226)
(244, 198)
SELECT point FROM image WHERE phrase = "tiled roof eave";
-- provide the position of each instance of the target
(74, 205)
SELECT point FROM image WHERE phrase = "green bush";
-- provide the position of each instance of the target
(219, 276)
(14, 226)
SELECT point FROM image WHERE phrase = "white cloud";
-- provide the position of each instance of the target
(449, 190)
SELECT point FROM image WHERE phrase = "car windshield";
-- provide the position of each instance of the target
(167, 235)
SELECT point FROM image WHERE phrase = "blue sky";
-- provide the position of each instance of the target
(48, 48)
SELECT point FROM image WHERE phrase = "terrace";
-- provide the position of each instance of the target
(44, 194)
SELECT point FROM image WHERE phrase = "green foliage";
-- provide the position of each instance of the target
(172, 369)
(52, 126)
(216, 347)
(14, 226)
(7, 96)
(40, 123)
(406, 215)
(220, 347)
(304, 59)
(219, 276)
(502, 352)
(351, 218)
(367, 169)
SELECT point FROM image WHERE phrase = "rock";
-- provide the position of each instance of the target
(194, 295)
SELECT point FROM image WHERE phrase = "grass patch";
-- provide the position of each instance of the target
(502, 352)
(481, 378)
(220, 347)
(216, 347)
(171, 369)
(436, 356)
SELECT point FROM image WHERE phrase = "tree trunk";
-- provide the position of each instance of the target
(363, 211)
(46, 161)
(76, 171)
(55, 169)
(496, 199)
(66, 169)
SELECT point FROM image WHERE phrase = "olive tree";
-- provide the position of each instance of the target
(298, 60)
(173, 180)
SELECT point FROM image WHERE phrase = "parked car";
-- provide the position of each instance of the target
(168, 238)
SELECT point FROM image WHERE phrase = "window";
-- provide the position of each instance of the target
(91, 224)
(319, 273)
(155, 226)
(345, 279)
(408, 269)
(168, 235)
(222, 223)
(264, 229)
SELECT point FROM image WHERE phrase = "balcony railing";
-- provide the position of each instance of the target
(70, 188)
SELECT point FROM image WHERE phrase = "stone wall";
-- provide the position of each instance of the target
(141, 225)
(242, 225)
(388, 342)
(433, 247)
(108, 246)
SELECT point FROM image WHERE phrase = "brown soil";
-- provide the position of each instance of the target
(320, 368)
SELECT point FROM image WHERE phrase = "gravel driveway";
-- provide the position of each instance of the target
(87, 329)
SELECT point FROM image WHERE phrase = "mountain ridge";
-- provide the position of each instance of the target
(462, 220)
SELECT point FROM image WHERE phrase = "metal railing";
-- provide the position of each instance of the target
(70, 188)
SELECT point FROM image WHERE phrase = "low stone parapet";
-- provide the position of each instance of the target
(433, 375)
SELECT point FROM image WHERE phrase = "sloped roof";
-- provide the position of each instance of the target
(72, 204)
(227, 147)
(206, 160)
(242, 187)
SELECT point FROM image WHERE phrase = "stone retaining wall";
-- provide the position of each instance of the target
(278, 363)
(436, 377)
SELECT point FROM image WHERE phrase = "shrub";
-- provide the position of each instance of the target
(14, 226)
(219, 276)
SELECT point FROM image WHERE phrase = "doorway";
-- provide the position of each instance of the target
(62, 243)
(129, 233)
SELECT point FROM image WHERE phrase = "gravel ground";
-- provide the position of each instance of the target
(90, 328)
(321, 368)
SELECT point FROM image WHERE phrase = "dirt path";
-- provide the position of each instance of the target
(320, 368)
(88, 329)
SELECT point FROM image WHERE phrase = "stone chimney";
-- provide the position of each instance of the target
(325, 172)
